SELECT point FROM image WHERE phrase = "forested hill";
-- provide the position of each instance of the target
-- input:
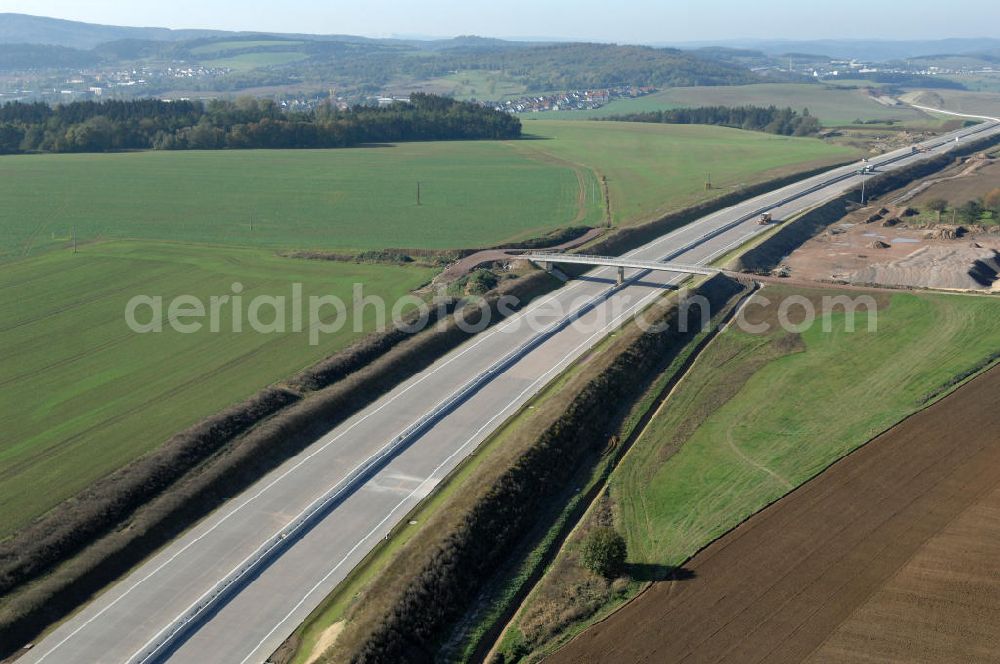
(27, 29)
(247, 123)
(355, 66)
(574, 66)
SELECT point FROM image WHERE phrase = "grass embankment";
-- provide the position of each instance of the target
(774, 410)
(755, 417)
(656, 169)
(83, 394)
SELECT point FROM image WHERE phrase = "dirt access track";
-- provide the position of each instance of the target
(889, 555)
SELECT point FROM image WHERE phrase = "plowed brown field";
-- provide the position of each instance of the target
(892, 554)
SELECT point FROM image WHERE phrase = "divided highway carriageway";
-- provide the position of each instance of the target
(234, 586)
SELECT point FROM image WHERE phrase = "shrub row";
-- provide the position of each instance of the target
(134, 524)
(432, 597)
(553, 239)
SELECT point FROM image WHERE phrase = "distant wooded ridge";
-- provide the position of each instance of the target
(770, 119)
(16, 28)
(246, 123)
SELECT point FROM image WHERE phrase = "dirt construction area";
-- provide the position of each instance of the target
(895, 241)
(888, 556)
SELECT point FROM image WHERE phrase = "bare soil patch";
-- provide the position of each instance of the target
(889, 555)
(872, 254)
(765, 306)
(896, 242)
(326, 640)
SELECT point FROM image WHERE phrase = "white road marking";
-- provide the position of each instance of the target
(569, 358)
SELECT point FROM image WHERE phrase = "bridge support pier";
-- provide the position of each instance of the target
(621, 276)
(547, 266)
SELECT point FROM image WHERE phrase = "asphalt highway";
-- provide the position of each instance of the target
(320, 512)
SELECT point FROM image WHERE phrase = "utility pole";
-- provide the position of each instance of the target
(251, 223)
(74, 239)
(863, 178)
(708, 181)
(418, 193)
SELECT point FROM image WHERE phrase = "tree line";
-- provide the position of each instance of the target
(972, 211)
(770, 119)
(245, 123)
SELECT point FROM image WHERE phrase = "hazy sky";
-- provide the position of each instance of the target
(609, 20)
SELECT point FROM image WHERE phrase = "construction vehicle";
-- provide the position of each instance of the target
(764, 219)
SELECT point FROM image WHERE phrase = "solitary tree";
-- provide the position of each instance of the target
(938, 205)
(604, 552)
(971, 211)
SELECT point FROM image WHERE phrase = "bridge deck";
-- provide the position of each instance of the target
(615, 261)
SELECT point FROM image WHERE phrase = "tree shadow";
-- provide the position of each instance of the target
(656, 572)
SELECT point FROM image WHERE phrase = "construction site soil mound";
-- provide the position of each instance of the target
(889, 555)
(943, 267)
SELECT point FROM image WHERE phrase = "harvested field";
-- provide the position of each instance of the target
(973, 180)
(887, 556)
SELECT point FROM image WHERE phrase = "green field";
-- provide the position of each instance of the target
(987, 82)
(653, 169)
(831, 105)
(760, 414)
(248, 61)
(472, 194)
(83, 394)
(466, 84)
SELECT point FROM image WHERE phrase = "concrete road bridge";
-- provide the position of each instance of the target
(547, 260)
